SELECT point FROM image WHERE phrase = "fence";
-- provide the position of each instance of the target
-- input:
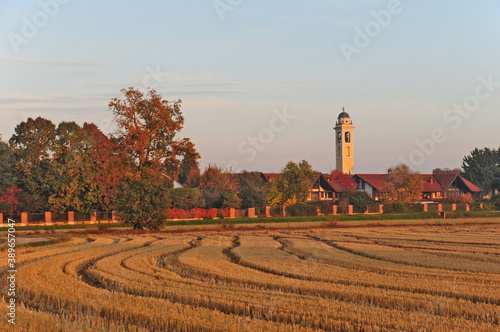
(71, 217)
(49, 218)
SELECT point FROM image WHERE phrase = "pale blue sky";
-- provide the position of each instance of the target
(235, 74)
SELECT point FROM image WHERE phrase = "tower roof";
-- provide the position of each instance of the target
(343, 115)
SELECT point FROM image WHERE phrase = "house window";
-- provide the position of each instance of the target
(348, 137)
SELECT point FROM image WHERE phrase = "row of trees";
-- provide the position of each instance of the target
(79, 168)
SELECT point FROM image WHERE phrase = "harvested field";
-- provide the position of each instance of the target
(414, 278)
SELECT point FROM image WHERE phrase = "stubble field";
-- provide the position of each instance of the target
(415, 278)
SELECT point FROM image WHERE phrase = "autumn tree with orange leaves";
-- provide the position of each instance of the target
(148, 129)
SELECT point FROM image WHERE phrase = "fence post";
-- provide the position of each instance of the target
(113, 217)
(440, 207)
(1, 218)
(381, 208)
(268, 211)
(71, 216)
(232, 213)
(467, 207)
(251, 212)
(453, 207)
(481, 206)
(24, 218)
(351, 209)
(93, 216)
(48, 217)
(335, 209)
(426, 208)
(284, 211)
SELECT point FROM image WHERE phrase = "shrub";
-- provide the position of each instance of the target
(324, 207)
(300, 209)
(403, 208)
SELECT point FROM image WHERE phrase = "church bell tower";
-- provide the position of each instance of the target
(344, 143)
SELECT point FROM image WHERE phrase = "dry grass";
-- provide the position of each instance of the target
(437, 278)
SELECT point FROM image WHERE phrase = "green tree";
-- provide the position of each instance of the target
(482, 167)
(275, 196)
(186, 198)
(253, 190)
(143, 201)
(219, 191)
(148, 127)
(403, 185)
(297, 181)
(6, 166)
(33, 147)
(76, 188)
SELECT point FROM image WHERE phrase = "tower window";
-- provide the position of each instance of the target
(339, 137)
(348, 151)
(339, 153)
(348, 137)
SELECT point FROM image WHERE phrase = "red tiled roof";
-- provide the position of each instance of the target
(446, 179)
(472, 187)
(377, 181)
(338, 186)
(430, 183)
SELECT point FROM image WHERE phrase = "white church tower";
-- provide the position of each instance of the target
(344, 143)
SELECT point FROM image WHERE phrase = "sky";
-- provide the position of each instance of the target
(262, 82)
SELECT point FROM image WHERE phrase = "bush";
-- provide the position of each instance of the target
(495, 202)
(186, 198)
(324, 207)
(403, 208)
(300, 209)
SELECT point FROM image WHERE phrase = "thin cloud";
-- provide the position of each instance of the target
(52, 62)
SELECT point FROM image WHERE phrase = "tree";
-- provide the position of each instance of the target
(253, 190)
(6, 166)
(218, 189)
(143, 201)
(482, 167)
(147, 129)
(110, 164)
(9, 193)
(186, 198)
(9, 200)
(275, 196)
(33, 147)
(403, 185)
(76, 188)
(297, 181)
(180, 169)
(193, 178)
